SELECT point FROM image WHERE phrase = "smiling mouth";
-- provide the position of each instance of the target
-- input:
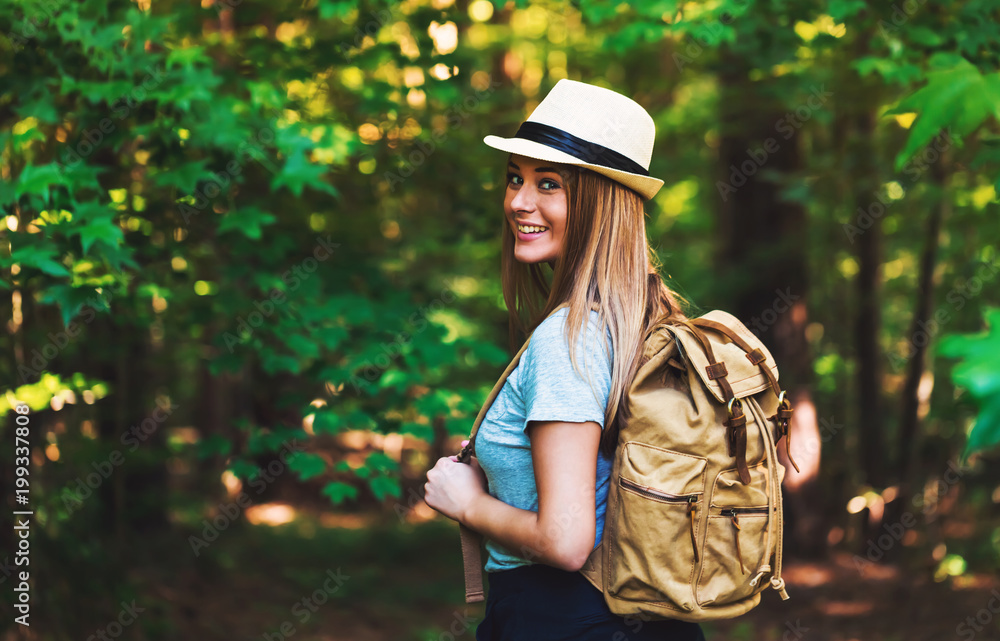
(531, 229)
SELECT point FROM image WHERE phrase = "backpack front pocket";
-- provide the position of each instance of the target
(735, 538)
(653, 540)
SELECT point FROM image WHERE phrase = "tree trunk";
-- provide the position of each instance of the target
(867, 324)
(763, 253)
(922, 329)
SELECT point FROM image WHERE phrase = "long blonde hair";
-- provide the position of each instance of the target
(605, 258)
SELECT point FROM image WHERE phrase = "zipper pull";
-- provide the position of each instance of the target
(692, 511)
(736, 532)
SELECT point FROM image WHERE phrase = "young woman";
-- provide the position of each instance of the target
(577, 178)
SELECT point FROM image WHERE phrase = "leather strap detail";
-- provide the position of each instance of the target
(752, 353)
(736, 533)
(756, 356)
(736, 442)
(717, 370)
(781, 418)
(693, 516)
(472, 560)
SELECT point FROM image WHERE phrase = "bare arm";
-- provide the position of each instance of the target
(561, 533)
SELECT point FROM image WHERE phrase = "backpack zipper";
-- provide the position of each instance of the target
(690, 499)
(733, 513)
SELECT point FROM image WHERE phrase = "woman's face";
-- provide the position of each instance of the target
(535, 197)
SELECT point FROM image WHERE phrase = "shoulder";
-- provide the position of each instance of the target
(556, 322)
(551, 332)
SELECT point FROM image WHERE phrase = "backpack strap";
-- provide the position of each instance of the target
(755, 356)
(471, 540)
(472, 559)
(736, 424)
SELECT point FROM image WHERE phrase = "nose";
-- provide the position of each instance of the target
(524, 198)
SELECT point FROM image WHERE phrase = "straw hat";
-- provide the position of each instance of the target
(590, 126)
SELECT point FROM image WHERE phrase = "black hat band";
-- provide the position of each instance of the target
(589, 152)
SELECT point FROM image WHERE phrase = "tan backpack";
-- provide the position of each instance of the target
(693, 528)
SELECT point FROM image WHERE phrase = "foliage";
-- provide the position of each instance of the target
(279, 219)
(979, 372)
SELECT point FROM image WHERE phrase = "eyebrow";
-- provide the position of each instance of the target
(510, 163)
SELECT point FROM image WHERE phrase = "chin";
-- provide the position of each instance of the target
(533, 257)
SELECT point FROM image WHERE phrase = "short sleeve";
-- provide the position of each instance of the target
(551, 389)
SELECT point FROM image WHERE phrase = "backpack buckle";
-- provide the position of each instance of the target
(464, 454)
(736, 438)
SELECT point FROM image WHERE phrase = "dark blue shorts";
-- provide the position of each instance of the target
(538, 602)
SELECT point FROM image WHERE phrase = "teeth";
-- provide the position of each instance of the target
(530, 228)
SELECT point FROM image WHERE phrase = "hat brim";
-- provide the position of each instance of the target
(646, 186)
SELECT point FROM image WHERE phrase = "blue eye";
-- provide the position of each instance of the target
(554, 185)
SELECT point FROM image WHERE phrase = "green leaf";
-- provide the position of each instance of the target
(336, 9)
(979, 372)
(71, 300)
(326, 421)
(383, 486)
(243, 469)
(337, 492)
(840, 9)
(299, 173)
(41, 107)
(986, 431)
(302, 346)
(246, 220)
(36, 179)
(263, 440)
(105, 231)
(307, 465)
(381, 461)
(184, 177)
(957, 99)
(924, 36)
(216, 444)
(41, 259)
(418, 430)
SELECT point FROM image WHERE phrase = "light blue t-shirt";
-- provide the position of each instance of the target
(543, 387)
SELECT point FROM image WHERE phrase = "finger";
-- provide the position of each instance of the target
(465, 442)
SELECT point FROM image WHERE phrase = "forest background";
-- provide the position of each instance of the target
(249, 270)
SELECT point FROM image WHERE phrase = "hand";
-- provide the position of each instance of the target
(452, 487)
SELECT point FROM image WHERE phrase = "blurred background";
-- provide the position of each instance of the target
(250, 257)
